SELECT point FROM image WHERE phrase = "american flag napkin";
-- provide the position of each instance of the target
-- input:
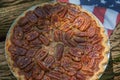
(108, 17)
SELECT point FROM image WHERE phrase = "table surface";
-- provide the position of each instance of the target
(8, 7)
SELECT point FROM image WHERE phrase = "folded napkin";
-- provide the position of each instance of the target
(108, 17)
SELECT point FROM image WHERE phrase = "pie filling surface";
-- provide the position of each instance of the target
(55, 42)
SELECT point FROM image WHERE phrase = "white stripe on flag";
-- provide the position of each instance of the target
(75, 1)
(110, 19)
(106, 31)
(89, 8)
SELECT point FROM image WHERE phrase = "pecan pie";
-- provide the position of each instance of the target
(56, 41)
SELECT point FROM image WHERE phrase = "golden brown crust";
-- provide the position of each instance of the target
(14, 70)
(104, 43)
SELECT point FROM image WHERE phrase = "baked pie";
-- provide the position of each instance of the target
(57, 41)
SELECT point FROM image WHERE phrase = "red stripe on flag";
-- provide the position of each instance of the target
(109, 32)
(99, 13)
(118, 19)
(63, 0)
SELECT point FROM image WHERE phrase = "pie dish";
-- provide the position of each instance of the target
(57, 41)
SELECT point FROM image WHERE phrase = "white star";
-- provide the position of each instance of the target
(111, 5)
(117, 1)
(103, 1)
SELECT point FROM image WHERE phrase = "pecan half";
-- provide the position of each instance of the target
(31, 35)
(40, 55)
(81, 34)
(17, 50)
(23, 62)
(31, 17)
(91, 63)
(65, 62)
(68, 42)
(37, 73)
(91, 31)
(48, 9)
(35, 43)
(88, 48)
(29, 67)
(46, 78)
(42, 24)
(86, 22)
(97, 47)
(62, 13)
(80, 76)
(76, 52)
(44, 40)
(59, 51)
(65, 77)
(18, 33)
(77, 65)
(42, 66)
(57, 8)
(70, 17)
(27, 27)
(73, 78)
(31, 52)
(54, 20)
(80, 39)
(69, 34)
(28, 75)
(72, 42)
(85, 59)
(66, 26)
(40, 75)
(71, 71)
(58, 35)
(96, 39)
(22, 21)
(20, 43)
(39, 11)
(54, 75)
(94, 54)
(73, 10)
(49, 60)
(88, 73)
(79, 21)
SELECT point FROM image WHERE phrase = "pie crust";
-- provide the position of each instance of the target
(80, 22)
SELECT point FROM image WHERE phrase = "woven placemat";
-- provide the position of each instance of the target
(115, 51)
